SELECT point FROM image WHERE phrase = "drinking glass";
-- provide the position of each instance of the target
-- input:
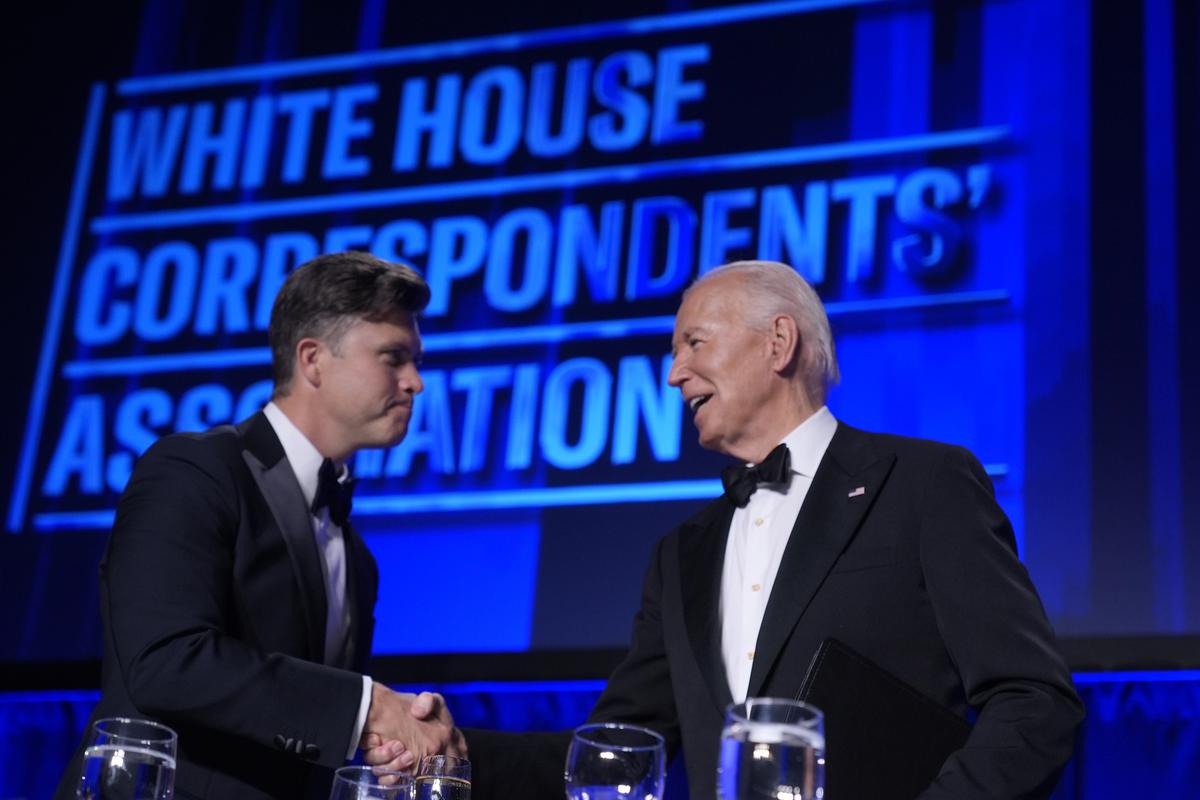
(128, 759)
(363, 783)
(443, 778)
(772, 749)
(615, 761)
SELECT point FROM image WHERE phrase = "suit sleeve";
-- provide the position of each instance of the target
(638, 691)
(168, 597)
(997, 634)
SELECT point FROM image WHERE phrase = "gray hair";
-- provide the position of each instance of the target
(773, 288)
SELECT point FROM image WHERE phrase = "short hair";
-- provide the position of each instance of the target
(773, 288)
(324, 296)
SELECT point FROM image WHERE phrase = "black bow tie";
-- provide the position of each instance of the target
(742, 481)
(339, 496)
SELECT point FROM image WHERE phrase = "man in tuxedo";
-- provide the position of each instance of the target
(894, 546)
(237, 599)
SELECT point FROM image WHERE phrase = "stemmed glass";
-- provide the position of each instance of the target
(128, 759)
(615, 761)
(772, 748)
(444, 778)
(363, 783)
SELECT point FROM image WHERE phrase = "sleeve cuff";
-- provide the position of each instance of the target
(364, 705)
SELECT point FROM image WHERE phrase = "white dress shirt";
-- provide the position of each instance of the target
(305, 461)
(758, 535)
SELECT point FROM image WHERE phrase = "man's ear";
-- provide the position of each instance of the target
(308, 361)
(785, 343)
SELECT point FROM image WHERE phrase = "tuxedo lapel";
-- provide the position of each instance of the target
(359, 603)
(273, 473)
(843, 490)
(701, 558)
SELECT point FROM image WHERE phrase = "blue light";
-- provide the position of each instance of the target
(495, 569)
(74, 520)
(544, 688)
(565, 179)
(538, 497)
(500, 337)
(62, 285)
(174, 362)
(802, 236)
(386, 505)
(486, 500)
(650, 215)
(595, 381)
(919, 301)
(107, 269)
(1138, 676)
(51, 696)
(462, 48)
(549, 334)
(483, 143)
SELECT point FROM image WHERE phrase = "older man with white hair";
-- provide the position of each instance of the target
(895, 546)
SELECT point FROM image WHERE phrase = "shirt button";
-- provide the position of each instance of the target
(758, 521)
(754, 587)
(750, 655)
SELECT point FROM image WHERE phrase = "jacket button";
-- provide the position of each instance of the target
(312, 752)
(281, 742)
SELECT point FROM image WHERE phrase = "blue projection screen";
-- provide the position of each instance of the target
(559, 188)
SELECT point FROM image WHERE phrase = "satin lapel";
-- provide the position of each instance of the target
(273, 473)
(360, 604)
(701, 558)
(832, 512)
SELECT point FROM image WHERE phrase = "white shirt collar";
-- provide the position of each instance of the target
(809, 440)
(301, 453)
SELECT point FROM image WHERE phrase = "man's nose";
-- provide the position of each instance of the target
(678, 373)
(412, 382)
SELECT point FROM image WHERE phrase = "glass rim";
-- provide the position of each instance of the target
(658, 742)
(168, 734)
(814, 713)
(353, 773)
(446, 758)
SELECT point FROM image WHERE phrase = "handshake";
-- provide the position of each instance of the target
(401, 729)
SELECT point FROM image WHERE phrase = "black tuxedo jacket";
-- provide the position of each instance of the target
(213, 602)
(917, 571)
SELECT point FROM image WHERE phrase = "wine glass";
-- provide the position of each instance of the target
(772, 748)
(443, 778)
(364, 783)
(128, 759)
(615, 761)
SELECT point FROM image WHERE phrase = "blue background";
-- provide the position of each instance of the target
(1056, 346)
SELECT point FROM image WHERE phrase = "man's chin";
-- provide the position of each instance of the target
(392, 437)
(710, 441)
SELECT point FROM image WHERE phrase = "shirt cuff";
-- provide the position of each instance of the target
(364, 705)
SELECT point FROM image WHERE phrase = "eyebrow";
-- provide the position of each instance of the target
(682, 336)
(692, 329)
(396, 347)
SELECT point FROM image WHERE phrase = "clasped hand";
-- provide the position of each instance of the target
(402, 728)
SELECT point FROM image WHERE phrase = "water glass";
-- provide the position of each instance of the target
(615, 761)
(128, 759)
(443, 778)
(772, 749)
(367, 783)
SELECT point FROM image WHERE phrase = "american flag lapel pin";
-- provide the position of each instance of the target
(858, 492)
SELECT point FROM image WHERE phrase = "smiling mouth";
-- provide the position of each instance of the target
(697, 401)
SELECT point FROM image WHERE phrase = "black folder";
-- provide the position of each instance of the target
(883, 738)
